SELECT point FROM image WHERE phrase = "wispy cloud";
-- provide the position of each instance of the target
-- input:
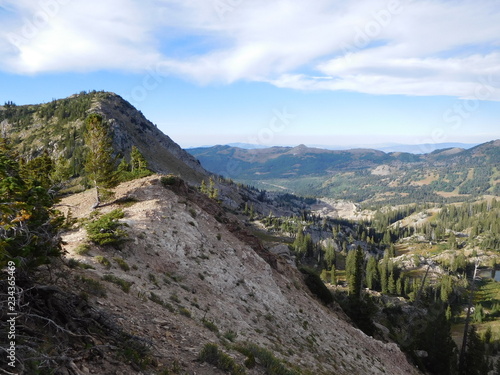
(406, 47)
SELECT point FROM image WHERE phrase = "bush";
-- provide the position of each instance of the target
(272, 365)
(156, 299)
(106, 230)
(82, 249)
(211, 354)
(210, 325)
(121, 262)
(92, 286)
(185, 312)
(168, 180)
(103, 260)
(124, 285)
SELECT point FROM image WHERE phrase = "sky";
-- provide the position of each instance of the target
(268, 72)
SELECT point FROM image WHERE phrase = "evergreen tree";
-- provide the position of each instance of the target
(330, 254)
(137, 161)
(99, 163)
(475, 362)
(333, 276)
(62, 170)
(391, 284)
(38, 171)
(437, 342)
(384, 274)
(354, 271)
(372, 275)
(204, 190)
(28, 224)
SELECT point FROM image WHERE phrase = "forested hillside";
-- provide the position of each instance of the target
(362, 175)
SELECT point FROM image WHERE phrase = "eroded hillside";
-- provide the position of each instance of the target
(197, 277)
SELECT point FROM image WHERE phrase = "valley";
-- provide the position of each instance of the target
(362, 175)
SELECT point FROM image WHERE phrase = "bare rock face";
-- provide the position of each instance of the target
(130, 128)
(202, 269)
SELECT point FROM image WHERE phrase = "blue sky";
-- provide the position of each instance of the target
(281, 72)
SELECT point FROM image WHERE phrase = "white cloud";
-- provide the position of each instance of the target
(408, 47)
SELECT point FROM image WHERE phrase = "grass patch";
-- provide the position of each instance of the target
(156, 299)
(271, 364)
(210, 325)
(185, 312)
(103, 260)
(121, 262)
(82, 249)
(91, 286)
(230, 335)
(213, 355)
(124, 285)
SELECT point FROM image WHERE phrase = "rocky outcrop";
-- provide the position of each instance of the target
(130, 128)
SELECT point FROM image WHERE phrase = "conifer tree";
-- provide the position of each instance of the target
(137, 161)
(391, 284)
(354, 271)
(99, 163)
(330, 254)
(333, 276)
(372, 276)
(28, 225)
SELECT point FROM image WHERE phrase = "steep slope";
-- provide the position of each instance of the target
(208, 275)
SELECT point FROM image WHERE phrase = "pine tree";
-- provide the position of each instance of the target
(62, 170)
(333, 276)
(354, 271)
(28, 224)
(99, 163)
(137, 161)
(437, 342)
(330, 254)
(372, 276)
(38, 170)
(474, 362)
(204, 190)
(384, 274)
(391, 284)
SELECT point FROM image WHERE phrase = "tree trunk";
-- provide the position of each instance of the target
(97, 197)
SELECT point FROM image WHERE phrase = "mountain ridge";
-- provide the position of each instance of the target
(321, 172)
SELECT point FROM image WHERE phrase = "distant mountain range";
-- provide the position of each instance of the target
(422, 148)
(451, 173)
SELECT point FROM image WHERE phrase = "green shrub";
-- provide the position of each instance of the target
(185, 312)
(74, 263)
(156, 299)
(168, 180)
(211, 354)
(124, 285)
(230, 335)
(82, 249)
(121, 262)
(210, 325)
(92, 286)
(103, 260)
(271, 364)
(106, 230)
